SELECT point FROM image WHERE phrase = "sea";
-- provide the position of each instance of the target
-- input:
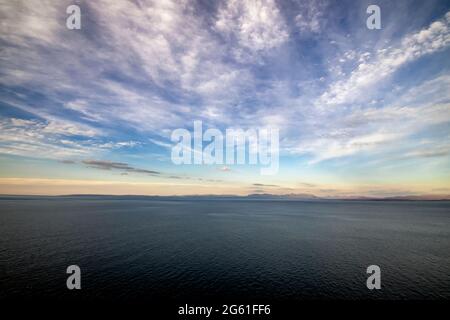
(184, 250)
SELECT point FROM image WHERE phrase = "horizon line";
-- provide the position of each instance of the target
(293, 197)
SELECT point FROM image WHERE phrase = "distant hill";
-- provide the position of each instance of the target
(255, 196)
(290, 196)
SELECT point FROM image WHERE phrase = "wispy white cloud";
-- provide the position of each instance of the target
(52, 140)
(310, 17)
(368, 74)
(257, 26)
(374, 128)
(151, 66)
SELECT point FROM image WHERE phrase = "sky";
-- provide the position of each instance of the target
(360, 112)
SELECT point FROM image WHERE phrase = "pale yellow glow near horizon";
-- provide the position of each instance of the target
(35, 186)
(30, 186)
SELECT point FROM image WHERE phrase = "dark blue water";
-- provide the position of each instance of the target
(220, 249)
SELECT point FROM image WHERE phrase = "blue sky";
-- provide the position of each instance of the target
(360, 112)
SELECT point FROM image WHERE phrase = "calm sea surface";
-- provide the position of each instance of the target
(219, 249)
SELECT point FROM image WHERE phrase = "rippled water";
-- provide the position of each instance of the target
(217, 249)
